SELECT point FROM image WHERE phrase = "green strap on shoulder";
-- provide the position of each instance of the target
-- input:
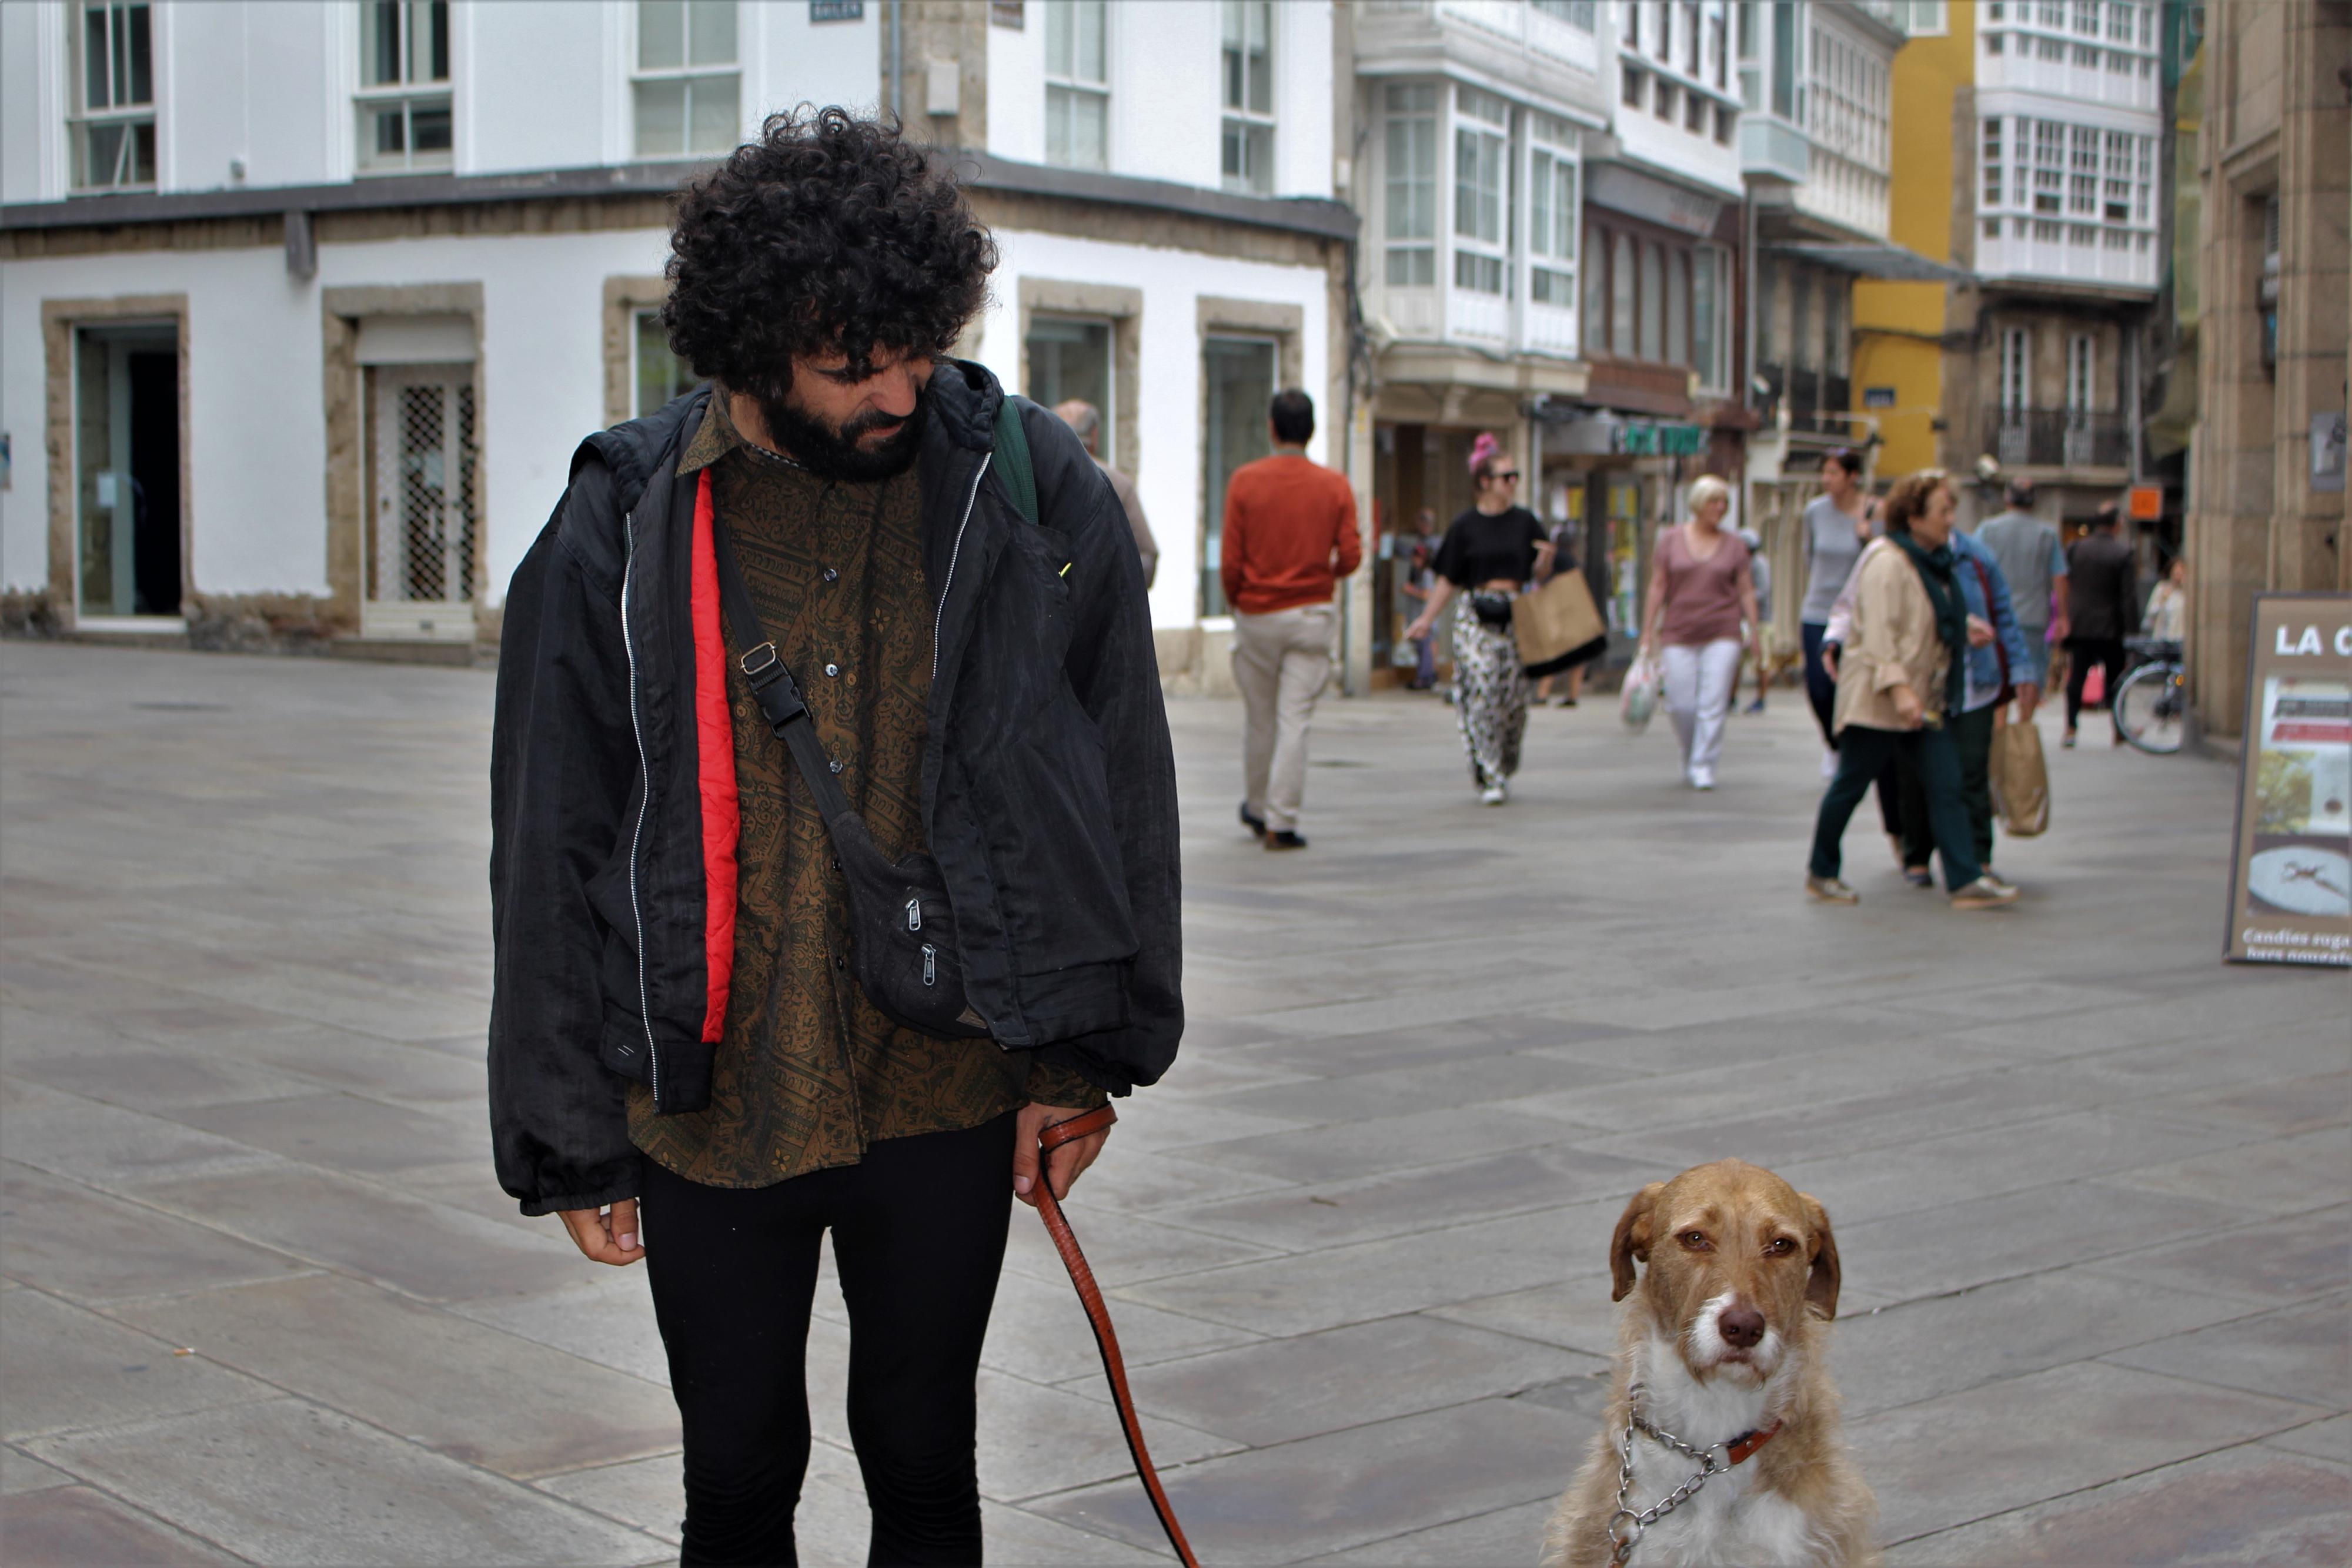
(1012, 459)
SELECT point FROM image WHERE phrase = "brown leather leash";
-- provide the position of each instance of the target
(1049, 1138)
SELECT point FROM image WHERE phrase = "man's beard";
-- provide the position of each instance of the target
(835, 453)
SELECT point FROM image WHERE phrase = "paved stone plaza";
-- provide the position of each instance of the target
(264, 1301)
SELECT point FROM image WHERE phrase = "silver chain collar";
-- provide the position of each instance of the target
(1626, 1526)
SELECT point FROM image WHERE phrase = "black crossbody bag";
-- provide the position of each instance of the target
(902, 927)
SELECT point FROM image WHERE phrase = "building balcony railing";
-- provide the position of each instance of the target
(2064, 79)
(2057, 438)
(1774, 149)
(2075, 253)
(1512, 22)
(1483, 323)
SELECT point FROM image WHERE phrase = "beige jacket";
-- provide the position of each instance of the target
(1144, 545)
(1892, 642)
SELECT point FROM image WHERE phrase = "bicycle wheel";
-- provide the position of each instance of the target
(2151, 709)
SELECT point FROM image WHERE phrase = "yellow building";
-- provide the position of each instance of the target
(1898, 328)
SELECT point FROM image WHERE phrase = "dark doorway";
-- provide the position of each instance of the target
(127, 470)
(155, 480)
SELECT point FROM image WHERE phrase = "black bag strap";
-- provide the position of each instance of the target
(772, 686)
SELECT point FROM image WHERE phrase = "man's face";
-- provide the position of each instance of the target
(845, 421)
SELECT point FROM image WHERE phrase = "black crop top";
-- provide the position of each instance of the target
(1481, 548)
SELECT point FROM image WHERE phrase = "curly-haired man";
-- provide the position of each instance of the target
(674, 1023)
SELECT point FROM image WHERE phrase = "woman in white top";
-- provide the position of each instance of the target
(1838, 523)
(2168, 604)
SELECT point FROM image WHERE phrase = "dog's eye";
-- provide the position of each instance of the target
(1694, 1240)
(1781, 1247)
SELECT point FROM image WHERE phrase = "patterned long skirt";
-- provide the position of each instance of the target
(1490, 696)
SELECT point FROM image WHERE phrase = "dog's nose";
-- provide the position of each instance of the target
(1741, 1327)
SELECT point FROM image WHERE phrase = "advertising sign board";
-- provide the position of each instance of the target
(2291, 876)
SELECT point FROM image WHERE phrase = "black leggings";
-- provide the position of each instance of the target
(2107, 652)
(919, 1230)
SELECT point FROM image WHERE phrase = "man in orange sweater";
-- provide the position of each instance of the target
(1290, 534)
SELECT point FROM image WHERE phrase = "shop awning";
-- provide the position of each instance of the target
(1873, 258)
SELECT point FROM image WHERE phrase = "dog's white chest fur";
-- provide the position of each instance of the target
(1726, 1521)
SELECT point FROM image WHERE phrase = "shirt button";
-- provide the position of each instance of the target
(837, 963)
(835, 765)
(832, 669)
(831, 575)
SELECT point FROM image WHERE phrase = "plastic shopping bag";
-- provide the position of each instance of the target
(2021, 781)
(1639, 701)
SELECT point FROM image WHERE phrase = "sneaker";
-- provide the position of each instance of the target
(1829, 890)
(1918, 876)
(1755, 706)
(1984, 894)
(1495, 794)
(1284, 839)
(1565, 702)
(2067, 740)
(1702, 778)
(1253, 821)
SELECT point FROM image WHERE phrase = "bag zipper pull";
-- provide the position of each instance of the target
(931, 965)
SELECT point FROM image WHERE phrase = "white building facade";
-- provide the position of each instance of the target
(303, 308)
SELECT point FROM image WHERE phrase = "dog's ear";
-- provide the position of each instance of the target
(1632, 1242)
(1822, 1284)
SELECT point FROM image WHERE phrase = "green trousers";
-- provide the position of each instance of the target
(1972, 736)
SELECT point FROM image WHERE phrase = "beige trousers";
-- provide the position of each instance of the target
(1281, 661)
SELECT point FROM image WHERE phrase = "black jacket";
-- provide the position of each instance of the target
(1048, 787)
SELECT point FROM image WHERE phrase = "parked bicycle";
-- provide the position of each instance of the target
(2151, 703)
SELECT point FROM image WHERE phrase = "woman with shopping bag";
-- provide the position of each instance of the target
(1702, 590)
(1492, 551)
(1900, 679)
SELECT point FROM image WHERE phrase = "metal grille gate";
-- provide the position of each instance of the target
(425, 522)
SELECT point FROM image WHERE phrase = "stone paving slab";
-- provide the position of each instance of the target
(1277, 1391)
(428, 1250)
(2282, 1175)
(76, 1524)
(2087, 1182)
(1348, 1488)
(2009, 1445)
(2280, 1260)
(89, 1246)
(404, 1367)
(66, 1369)
(2300, 1352)
(2246, 1505)
(286, 1482)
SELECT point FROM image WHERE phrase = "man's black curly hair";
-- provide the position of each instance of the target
(828, 233)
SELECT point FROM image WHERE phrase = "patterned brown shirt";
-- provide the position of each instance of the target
(808, 1071)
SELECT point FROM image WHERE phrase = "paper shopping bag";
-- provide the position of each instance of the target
(2021, 781)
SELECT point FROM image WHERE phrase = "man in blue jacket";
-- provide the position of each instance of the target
(674, 1022)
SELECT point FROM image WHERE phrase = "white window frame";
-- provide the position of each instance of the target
(690, 75)
(1554, 213)
(2016, 371)
(409, 93)
(1408, 237)
(1714, 367)
(1247, 127)
(1481, 142)
(120, 113)
(2082, 375)
(1067, 87)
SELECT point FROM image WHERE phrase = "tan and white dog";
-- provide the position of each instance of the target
(1721, 1347)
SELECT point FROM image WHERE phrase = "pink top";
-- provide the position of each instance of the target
(1702, 596)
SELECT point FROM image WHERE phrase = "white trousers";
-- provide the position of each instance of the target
(1699, 696)
(1281, 661)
